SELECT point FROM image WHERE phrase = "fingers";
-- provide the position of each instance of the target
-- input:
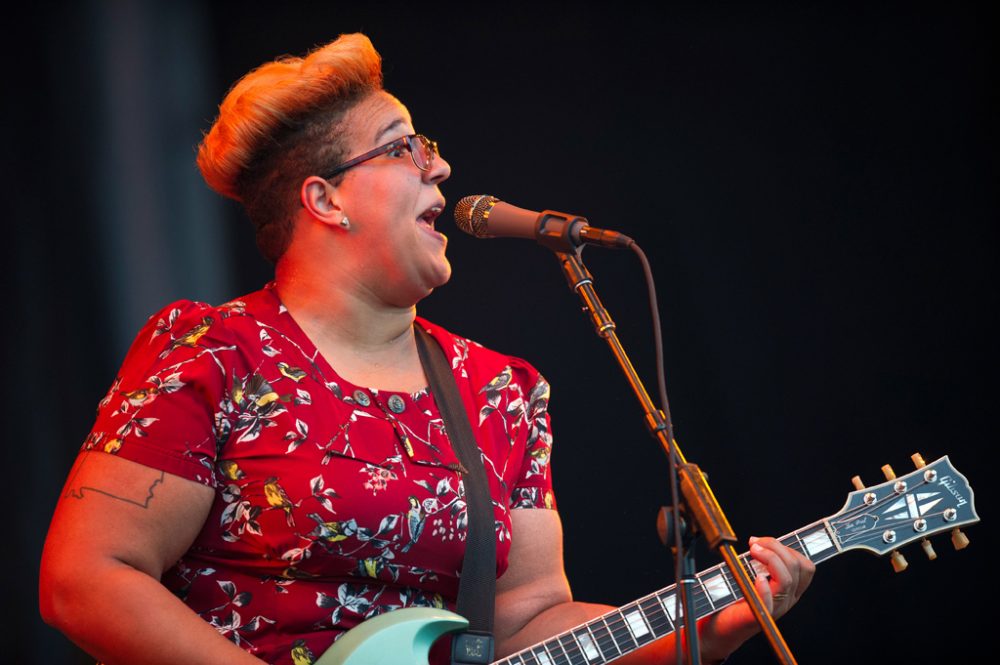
(764, 591)
(777, 580)
(783, 575)
(788, 574)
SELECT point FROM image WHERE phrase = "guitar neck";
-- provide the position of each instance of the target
(880, 519)
(625, 629)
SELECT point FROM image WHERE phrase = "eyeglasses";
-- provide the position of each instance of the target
(422, 152)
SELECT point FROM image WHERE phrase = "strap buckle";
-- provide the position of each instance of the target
(472, 647)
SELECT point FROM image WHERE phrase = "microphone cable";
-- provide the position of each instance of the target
(676, 519)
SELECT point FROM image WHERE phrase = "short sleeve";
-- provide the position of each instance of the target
(533, 488)
(165, 407)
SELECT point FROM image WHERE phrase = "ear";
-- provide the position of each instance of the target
(319, 198)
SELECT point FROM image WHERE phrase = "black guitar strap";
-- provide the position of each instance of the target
(477, 585)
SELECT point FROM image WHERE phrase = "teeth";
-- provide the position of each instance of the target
(431, 214)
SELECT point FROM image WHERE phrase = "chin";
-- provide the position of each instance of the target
(430, 282)
(446, 275)
(439, 275)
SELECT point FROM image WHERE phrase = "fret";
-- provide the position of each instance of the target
(655, 616)
(822, 542)
(561, 654)
(556, 653)
(817, 543)
(799, 546)
(670, 606)
(752, 566)
(621, 633)
(605, 638)
(542, 656)
(668, 615)
(519, 658)
(747, 564)
(701, 593)
(716, 587)
(637, 625)
(588, 644)
(572, 650)
(702, 603)
(734, 589)
(529, 658)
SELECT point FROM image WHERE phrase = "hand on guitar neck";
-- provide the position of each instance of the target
(783, 575)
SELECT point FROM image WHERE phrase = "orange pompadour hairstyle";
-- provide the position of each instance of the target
(281, 123)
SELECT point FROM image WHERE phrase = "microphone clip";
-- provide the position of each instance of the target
(559, 231)
(565, 233)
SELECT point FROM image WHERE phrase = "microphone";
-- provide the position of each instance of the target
(486, 216)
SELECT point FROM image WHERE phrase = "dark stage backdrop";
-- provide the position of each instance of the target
(813, 185)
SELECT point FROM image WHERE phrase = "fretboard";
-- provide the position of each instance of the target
(631, 626)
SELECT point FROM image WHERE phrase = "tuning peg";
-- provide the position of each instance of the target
(918, 460)
(928, 549)
(898, 562)
(858, 485)
(889, 473)
(959, 539)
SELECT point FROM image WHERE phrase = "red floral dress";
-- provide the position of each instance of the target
(334, 502)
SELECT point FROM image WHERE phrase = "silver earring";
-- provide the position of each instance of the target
(345, 223)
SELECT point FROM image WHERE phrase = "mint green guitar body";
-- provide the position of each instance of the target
(402, 636)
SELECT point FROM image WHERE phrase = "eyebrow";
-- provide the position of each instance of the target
(391, 125)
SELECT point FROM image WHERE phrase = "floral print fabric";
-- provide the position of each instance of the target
(334, 502)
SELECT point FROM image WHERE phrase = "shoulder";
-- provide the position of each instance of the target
(480, 364)
(190, 324)
(181, 316)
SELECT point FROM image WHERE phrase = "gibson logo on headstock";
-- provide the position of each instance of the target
(949, 484)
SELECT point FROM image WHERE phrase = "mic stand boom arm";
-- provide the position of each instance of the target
(697, 495)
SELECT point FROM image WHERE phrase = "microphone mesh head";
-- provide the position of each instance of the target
(472, 212)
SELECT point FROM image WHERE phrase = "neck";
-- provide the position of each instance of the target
(354, 317)
(337, 312)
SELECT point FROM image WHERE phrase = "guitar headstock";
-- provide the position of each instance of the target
(932, 499)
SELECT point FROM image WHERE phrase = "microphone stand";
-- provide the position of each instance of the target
(561, 233)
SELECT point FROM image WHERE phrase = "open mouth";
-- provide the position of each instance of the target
(428, 216)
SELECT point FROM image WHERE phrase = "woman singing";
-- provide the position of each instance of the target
(265, 474)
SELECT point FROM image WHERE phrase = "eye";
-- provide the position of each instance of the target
(398, 150)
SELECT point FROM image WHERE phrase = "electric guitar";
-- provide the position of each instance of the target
(880, 519)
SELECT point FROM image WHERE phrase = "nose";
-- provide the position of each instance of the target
(439, 172)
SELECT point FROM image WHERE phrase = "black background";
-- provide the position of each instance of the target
(813, 185)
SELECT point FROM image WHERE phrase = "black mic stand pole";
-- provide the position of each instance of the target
(698, 497)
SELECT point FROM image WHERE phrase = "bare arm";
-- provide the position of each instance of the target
(117, 527)
(534, 601)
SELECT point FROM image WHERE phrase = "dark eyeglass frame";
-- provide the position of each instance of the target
(430, 147)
